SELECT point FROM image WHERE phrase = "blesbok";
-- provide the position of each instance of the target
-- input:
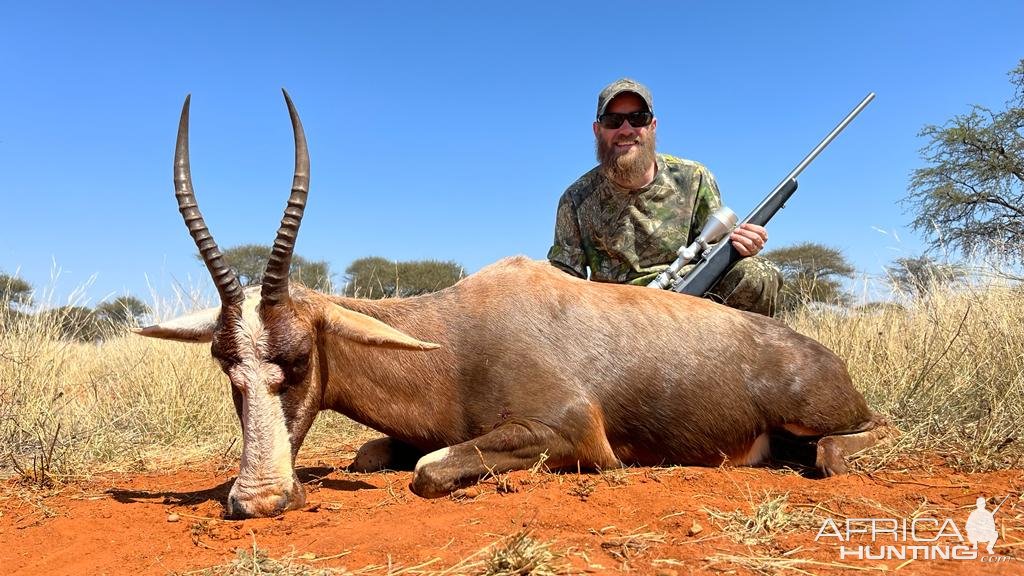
(514, 362)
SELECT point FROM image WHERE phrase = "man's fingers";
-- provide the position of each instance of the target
(753, 230)
(748, 242)
(741, 248)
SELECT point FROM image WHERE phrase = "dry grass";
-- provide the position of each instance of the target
(948, 369)
(521, 553)
(763, 519)
(630, 546)
(255, 561)
(70, 409)
(514, 555)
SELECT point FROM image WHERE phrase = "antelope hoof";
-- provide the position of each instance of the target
(833, 450)
(434, 476)
(384, 454)
(425, 484)
(831, 458)
(373, 456)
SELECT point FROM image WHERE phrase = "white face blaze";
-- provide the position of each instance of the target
(272, 362)
(266, 447)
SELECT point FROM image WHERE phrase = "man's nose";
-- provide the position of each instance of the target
(627, 129)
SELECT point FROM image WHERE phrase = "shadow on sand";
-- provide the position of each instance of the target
(219, 493)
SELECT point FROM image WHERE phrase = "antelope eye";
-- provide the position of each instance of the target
(292, 365)
(300, 364)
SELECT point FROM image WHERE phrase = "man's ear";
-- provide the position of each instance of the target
(597, 129)
(195, 327)
(370, 331)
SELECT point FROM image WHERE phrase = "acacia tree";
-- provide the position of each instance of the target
(14, 291)
(811, 273)
(376, 277)
(922, 274)
(971, 195)
(249, 261)
(122, 311)
(75, 323)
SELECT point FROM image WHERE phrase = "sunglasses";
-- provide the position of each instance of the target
(612, 120)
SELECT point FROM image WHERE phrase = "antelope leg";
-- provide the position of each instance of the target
(514, 445)
(833, 450)
(385, 454)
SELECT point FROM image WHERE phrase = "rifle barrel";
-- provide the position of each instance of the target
(996, 509)
(817, 150)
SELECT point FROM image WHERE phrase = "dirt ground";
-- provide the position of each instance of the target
(642, 521)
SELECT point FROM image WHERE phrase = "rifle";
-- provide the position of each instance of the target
(1000, 505)
(716, 257)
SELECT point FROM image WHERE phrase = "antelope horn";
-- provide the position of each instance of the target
(223, 277)
(275, 279)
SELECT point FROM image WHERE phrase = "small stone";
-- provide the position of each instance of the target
(695, 529)
(666, 572)
(173, 517)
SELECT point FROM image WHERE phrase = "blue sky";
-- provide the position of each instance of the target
(449, 130)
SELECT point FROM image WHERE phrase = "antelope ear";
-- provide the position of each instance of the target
(366, 330)
(195, 327)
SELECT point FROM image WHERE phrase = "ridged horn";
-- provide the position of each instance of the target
(224, 278)
(275, 279)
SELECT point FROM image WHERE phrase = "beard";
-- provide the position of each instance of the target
(627, 168)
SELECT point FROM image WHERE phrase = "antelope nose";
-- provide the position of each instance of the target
(239, 510)
(243, 504)
(236, 509)
(283, 503)
(293, 499)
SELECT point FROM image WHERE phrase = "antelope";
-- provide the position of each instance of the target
(512, 365)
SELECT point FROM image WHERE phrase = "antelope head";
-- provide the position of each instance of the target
(266, 340)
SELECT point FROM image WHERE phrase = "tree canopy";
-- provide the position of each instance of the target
(122, 311)
(376, 277)
(811, 273)
(75, 323)
(14, 291)
(249, 261)
(970, 196)
(920, 275)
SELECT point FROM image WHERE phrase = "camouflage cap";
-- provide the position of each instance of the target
(618, 87)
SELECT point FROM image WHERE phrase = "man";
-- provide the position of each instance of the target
(626, 218)
(981, 525)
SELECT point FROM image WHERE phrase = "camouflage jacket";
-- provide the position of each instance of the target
(628, 236)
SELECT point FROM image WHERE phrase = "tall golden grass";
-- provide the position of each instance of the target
(127, 402)
(947, 369)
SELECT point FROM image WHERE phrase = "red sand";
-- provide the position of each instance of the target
(118, 524)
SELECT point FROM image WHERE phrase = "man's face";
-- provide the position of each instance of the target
(626, 153)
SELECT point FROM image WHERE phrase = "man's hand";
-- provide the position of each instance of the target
(749, 239)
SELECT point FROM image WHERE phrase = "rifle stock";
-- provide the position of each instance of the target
(715, 261)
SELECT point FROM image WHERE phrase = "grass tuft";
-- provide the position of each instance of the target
(628, 547)
(255, 561)
(763, 519)
(521, 554)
